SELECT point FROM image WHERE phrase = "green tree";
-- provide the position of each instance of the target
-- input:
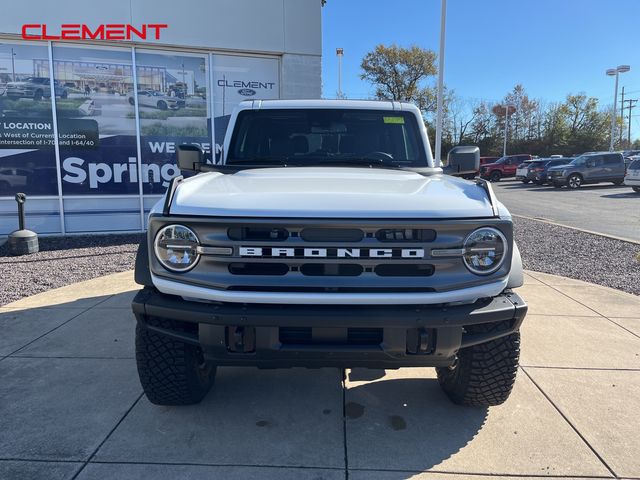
(556, 131)
(588, 126)
(402, 74)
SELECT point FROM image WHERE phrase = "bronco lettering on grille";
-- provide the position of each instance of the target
(326, 252)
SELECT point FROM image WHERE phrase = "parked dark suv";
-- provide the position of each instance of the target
(593, 167)
(537, 171)
(504, 167)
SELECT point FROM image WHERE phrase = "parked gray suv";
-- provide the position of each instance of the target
(593, 167)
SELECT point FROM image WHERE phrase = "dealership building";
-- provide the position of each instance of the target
(96, 98)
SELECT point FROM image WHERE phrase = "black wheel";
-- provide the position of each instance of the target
(171, 372)
(574, 181)
(483, 374)
(37, 95)
(64, 94)
(617, 183)
(162, 105)
(495, 176)
(132, 101)
(636, 189)
(526, 180)
(538, 182)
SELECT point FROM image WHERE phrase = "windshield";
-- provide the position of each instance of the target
(320, 136)
(580, 161)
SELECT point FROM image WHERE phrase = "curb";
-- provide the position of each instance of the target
(550, 222)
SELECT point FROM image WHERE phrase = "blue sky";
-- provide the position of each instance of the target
(552, 47)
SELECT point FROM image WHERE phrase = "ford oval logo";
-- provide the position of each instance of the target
(247, 92)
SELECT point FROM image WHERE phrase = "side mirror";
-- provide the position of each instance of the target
(463, 161)
(189, 157)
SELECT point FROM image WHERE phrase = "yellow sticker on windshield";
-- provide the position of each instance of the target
(399, 120)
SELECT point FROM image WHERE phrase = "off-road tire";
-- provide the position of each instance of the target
(171, 372)
(574, 181)
(495, 176)
(483, 374)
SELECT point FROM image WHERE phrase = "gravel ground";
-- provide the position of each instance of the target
(64, 260)
(570, 253)
(544, 247)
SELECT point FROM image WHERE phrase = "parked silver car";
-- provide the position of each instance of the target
(155, 99)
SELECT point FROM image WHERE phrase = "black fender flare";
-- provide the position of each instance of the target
(142, 274)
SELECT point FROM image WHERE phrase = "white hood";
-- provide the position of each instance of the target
(330, 192)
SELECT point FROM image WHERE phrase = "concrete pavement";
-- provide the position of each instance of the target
(71, 405)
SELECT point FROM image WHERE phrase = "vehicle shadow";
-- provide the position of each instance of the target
(406, 424)
(630, 194)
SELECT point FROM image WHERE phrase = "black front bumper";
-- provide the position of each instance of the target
(374, 336)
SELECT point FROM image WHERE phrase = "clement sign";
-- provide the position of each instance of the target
(80, 31)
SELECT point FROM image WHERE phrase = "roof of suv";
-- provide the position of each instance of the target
(601, 153)
(354, 104)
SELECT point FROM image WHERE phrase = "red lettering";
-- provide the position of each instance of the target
(70, 31)
(48, 37)
(81, 31)
(142, 34)
(30, 26)
(87, 33)
(157, 27)
(115, 31)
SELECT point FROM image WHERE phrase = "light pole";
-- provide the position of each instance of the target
(508, 109)
(443, 18)
(13, 65)
(615, 72)
(339, 53)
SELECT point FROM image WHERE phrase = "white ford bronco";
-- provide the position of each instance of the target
(327, 237)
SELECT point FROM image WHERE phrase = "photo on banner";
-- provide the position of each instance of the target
(173, 106)
(96, 121)
(27, 149)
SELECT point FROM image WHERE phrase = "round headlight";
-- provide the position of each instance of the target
(484, 250)
(176, 248)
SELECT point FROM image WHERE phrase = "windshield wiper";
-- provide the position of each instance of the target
(266, 162)
(359, 162)
(257, 161)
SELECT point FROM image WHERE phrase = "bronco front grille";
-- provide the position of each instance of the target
(346, 256)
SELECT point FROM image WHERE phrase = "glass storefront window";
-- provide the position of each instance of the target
(96, 120)
(95, 95)
(237, 78)
(173, 106)
(27, 149)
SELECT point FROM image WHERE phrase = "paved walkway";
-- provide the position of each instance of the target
(71, 405)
